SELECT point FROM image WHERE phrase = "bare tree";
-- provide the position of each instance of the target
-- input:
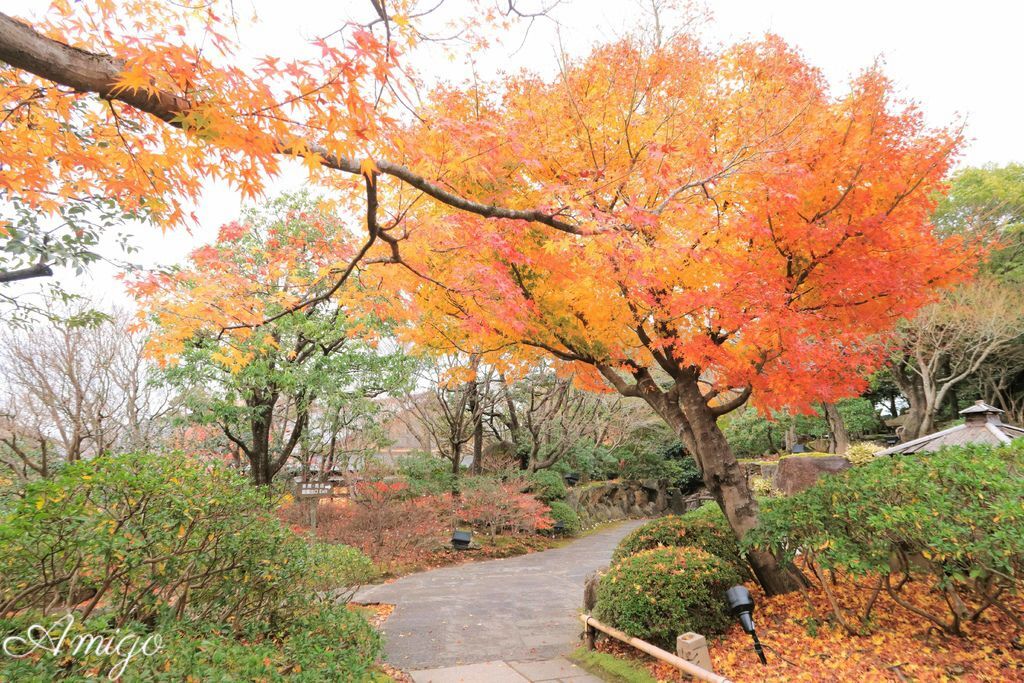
(453, 407)
(949, 342)
(546, 416)
(1000, 382)
(76, 391)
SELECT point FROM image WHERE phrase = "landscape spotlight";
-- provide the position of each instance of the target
(461, 539)
(742, 607)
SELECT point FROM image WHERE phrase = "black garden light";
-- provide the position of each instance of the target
(461, 539)
(572, 478)
(742, 607)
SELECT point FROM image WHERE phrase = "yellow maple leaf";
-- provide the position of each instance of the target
(368, 167)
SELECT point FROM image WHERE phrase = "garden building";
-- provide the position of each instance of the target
(981, 425)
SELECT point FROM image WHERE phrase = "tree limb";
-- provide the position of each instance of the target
(24, 48)
(38, 270)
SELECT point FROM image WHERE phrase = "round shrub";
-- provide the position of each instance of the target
(547, 486)
(658, 594)
(338, 570)
(705, 528)
(562, 512)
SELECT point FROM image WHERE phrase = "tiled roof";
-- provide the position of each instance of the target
(981, 426)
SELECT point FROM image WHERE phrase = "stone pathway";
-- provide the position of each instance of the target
(507, 615)
(548, 671)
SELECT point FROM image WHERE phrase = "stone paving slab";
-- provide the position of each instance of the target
(553, 670)
(517, 609)
(548, 671)
(491, 672)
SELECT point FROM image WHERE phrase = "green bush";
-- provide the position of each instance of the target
(953, 517)
(562, 512)
(705, 528)
(653, 451)
(137, 530)
(596, 461)
(426, 474)
(325, 642)
(658, 594)
(547, 486)
(338, 570)
(172, 545)
(762, 487)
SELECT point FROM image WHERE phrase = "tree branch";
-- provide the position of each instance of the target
(24, 48)
(38, 270)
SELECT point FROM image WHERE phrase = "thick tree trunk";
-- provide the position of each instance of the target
(727, 482)
(918, 419)
(839, 438)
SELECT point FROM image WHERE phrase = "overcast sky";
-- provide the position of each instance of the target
(959, 60)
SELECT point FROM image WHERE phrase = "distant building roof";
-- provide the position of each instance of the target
(981, 425)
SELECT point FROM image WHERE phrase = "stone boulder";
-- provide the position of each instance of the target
(795, 473)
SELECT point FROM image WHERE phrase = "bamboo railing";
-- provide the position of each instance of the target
(686, 667)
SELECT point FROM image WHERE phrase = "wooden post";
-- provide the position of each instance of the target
(589, 601)
(590, 591)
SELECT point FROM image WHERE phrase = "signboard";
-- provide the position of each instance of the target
(315, 489)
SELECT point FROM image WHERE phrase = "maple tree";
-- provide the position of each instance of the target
(690, 226)
(274, 389)
(748, 233)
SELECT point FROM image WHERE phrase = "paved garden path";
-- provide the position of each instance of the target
(519, 609)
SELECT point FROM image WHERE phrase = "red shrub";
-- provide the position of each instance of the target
(385, 525)
(503, 507)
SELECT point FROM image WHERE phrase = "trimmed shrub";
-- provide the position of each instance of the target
(547, 486)
(147, 533)
(705, 528)
(339, 570)
(658, 594)
(426, 474)
(562, 512)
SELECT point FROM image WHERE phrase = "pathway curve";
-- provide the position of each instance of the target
(516, 609)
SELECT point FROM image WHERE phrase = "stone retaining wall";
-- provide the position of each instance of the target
(610, 500)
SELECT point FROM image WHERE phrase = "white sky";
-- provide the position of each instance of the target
(956, 59)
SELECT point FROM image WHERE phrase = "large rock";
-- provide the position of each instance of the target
(798, 472)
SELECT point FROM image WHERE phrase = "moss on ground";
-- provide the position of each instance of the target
(610, 668)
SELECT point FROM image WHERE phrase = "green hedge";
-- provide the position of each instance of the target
(547, 486)
(661, 593)
(705, 528)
